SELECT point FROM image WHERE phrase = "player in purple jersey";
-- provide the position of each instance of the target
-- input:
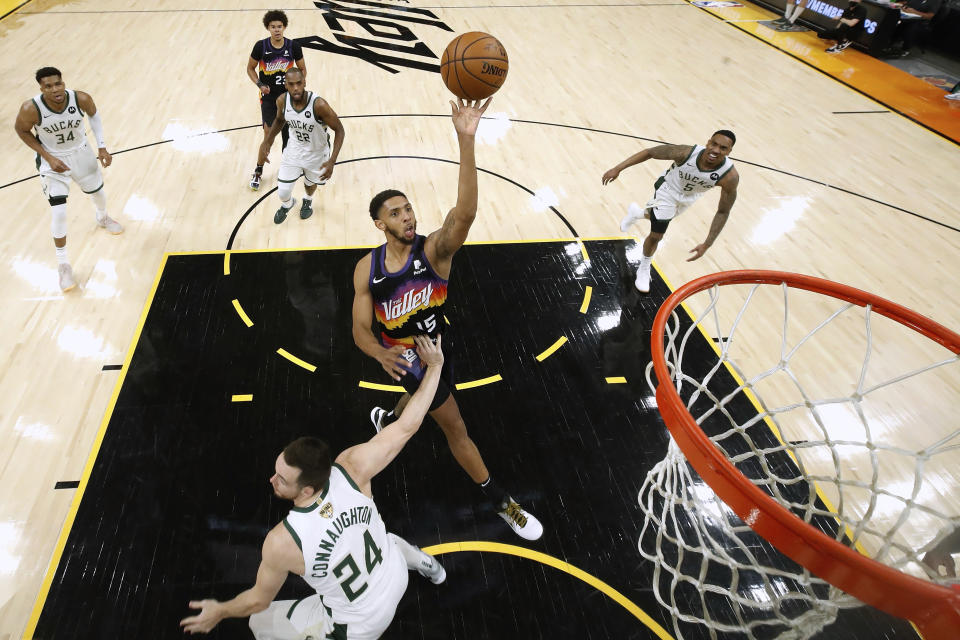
(269, 62)
(402, 285)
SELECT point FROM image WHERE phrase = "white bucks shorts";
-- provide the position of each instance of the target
(84, 169)
(308, 165)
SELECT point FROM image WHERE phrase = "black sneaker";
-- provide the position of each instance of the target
(281, 213)
(306, 210)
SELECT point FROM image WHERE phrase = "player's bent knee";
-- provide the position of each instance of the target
(284, 190)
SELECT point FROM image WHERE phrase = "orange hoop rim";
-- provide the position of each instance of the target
(935, 609)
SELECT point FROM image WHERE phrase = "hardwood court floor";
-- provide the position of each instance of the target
(868, 199)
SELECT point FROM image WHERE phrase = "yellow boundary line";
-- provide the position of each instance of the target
(381, 387)
(566, 567)
(295, 360)
(587, 294)
(243, 314)
(243, 397)
(226, 263)
(478, 383)
(88, 467)
(616, 380)
(549, 352)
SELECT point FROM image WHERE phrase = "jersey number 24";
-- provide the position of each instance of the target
(348, 571)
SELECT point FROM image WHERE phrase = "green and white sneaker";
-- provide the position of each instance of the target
(305, 209)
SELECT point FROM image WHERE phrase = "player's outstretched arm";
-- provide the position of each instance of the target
(366, 460)
(279, 556)
(444, 242)
(728, 195)
(276, 128)
(676, 152)
(85, 100)
(326, 113)
(390, 359)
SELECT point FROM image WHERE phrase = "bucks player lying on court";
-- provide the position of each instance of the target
(51, 124)
(334, 538)
(308, 153)
(403, 286)
(695, 169)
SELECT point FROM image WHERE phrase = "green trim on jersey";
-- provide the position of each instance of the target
(347, 476)
(725, 172)
(94, 191)
(59, 113)
(317, 117)
(39, 114)
(658, 183)
(296, 539)
(339, 632)
(295, 603)
(687, 159)
(309, 103)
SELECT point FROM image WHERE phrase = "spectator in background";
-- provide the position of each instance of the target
(849, 26)
(915, 17)
(790, 15)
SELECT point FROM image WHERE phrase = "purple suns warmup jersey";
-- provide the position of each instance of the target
(274, 62)
(410, 301)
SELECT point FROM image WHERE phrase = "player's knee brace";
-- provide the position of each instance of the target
(58, 220)
(284, 190)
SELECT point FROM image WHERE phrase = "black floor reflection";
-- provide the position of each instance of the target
(178, 502)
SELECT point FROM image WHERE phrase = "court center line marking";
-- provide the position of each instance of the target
(241, 397)
(586, 299)
(243, 314)
(295, 360)
(566, 567)
(478, 383)
(549, 352)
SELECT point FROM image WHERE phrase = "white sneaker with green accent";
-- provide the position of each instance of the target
(642, 283)
(523, 523)
(431, 569)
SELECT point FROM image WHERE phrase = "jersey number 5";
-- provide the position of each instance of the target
(372, 557)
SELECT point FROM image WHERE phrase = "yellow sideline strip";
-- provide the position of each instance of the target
(478, 383)
(297, 361)
(243, 314)
(549, 352)
(248, 397)
(226, 263)
(566, 567)
(617, 380)
(586, 299)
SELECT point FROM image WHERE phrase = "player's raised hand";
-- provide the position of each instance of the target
(429, 351)
(392, 360)
(466, 114)
(611, 175)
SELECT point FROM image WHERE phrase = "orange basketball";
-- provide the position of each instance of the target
(474, 65)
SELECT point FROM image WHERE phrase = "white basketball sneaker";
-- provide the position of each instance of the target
(111, 225)
(66, 277)
(643, 278)
(523, 523)
(431, 569)
(634, 215)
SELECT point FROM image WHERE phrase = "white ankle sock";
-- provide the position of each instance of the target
(62, 255)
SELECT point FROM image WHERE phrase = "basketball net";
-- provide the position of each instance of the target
(790, 422)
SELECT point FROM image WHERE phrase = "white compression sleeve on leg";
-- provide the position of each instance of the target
(58, 220)
(796, 13)
(284, 190)
(100, 202)
(97, 126)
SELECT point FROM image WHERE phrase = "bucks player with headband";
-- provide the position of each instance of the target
(334, 539)
(308, 154)
(51, 124)
(402, 286)
(695, 169)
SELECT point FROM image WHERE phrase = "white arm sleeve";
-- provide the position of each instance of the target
(97, 125)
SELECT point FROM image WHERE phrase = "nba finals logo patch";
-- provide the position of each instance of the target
(327, 510)
(377, 33)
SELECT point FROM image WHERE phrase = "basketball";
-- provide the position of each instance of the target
(474, 65)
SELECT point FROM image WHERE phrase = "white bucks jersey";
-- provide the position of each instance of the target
(683, 183)
(308, 133)
(60, 133)
(347, 556)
